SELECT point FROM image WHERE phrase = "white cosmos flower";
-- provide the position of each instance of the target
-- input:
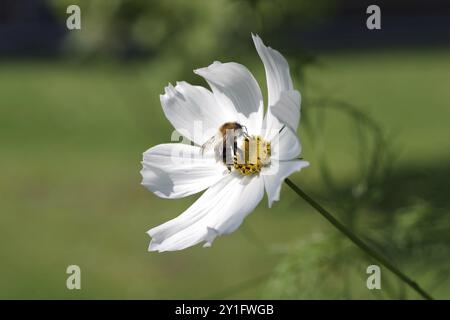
(178, 170)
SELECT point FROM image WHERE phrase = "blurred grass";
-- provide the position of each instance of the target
(71, 141)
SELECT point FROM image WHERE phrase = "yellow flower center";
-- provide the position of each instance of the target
(252, 156)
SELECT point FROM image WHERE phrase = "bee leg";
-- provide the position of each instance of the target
(224, 153)
(227, 155)
(244, 131)
(227, 171)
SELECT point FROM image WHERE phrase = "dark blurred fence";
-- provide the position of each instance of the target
(30, 27)
(403, 22)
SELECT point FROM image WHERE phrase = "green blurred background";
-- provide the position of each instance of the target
(78, 108)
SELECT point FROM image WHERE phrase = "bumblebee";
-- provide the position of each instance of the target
(224, 142)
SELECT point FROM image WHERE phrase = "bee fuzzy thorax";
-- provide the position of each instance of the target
(253, 155)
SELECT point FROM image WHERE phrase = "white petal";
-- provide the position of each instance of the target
(193, 111)
(286, 110)
(277, 70)
(285, 145)
(272, 181)
(234, 87)
(220, 210)
(177, 170)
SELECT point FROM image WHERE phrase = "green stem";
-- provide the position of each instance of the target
(356, 240)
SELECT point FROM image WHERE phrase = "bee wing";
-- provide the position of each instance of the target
(208, 145)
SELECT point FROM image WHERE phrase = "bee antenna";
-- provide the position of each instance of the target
(245, 130)
(282, 128)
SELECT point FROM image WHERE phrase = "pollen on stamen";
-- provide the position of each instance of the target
(253, 155)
